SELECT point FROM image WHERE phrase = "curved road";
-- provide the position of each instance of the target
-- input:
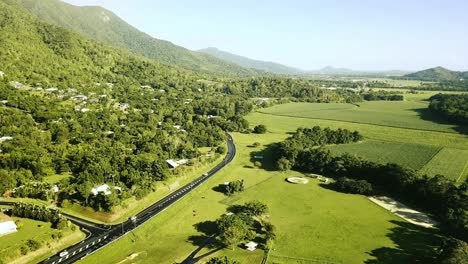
(99, 235)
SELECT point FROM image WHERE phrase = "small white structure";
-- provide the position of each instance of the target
(5, 138)
(7, 227)
(81, 97)
(226, 183)
(251, 246)
(84, 110)
(177, 127)
(172, 163)
(55, 189)
(146, 87)
(101, 189)
(124, 106)
(229, 213)
(4, 101)
(50, 90)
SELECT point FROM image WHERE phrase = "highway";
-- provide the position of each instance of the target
(99, 235)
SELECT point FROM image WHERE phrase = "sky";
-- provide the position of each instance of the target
(311, 34)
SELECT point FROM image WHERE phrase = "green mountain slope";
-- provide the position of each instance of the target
(250, 63)
(437, 74)
(33, 51)
(102, 25)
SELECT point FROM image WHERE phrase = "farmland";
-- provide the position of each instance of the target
(394, 132)
(312, 221)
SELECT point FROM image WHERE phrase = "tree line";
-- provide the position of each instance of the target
(453, 107)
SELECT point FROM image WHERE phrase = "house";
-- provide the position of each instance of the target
(146, 87)
(174, 164)
(6, 225)
(251, 246)
(84, 110)
(4, 101)
(5, 138)
(81, 97)
(55, 189)
(50, 90)
(101, 189)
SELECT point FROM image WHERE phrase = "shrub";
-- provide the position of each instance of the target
(353, 186)
(260, 129)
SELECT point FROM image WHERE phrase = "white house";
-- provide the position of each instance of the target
(52, 89)
(5, 139)
(6, 225)
(251, 246)
(55, 189)
(172, 163)
(81, 97)
(101, 189)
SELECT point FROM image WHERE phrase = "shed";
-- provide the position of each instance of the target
(6, 225)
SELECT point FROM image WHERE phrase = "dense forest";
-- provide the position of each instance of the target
(453, 107)
(438, 195)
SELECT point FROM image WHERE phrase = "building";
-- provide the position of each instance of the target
(81, 97)
(5, 139)
(52, 89)
(7, 225)
(101, 189)
(251, 246)
(174, 164)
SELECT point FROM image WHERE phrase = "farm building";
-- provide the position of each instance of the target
(81, 97)
(174, 164)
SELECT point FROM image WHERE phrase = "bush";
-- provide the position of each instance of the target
(353, 186)
(221, 149)
(260, 129)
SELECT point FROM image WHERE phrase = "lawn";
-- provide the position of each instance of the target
(312, 221)
(416, 155)
(40, 231)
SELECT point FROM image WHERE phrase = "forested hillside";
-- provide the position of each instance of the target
(250, 63)
(102, 25)
(437, 74)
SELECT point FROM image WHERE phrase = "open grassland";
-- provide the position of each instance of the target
(312, 221)
(416, 155)
(450, 162)
(400, 114)
(36, 230)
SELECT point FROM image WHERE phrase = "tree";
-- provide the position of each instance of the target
(255, 208)
(283, 164)
(222, 260)
(233, 230)
(453, 251)
(260, 129)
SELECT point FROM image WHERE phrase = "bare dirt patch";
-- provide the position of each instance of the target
(403, 211)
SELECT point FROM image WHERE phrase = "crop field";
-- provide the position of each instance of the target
(399, 143)
(312, 222)
(391, 152)
(452, 163)
(401, 114)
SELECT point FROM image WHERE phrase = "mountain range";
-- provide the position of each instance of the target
(267, 66)
(102, 25)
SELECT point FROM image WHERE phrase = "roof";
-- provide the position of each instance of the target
(7, 227)
(172, 163)
(102, 188)
(251, 245)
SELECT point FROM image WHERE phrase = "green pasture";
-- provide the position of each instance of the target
(312, 221)
(452, 163)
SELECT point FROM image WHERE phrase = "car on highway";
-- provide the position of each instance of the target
(63, 253)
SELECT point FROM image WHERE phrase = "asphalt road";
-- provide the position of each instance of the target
(100, 235)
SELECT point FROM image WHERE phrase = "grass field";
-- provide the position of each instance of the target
(384, 152)
(40, 231)
(312, 221)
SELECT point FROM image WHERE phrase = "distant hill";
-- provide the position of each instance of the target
(32, 51)
(103, 25)
(437, 74)
(329, 70)
(251, 63)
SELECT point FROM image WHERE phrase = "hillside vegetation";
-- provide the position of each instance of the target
(437, 74)
(102, 25)
(251, 63)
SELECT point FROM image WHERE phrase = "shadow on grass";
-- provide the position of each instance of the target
(205, 240)
(428, 115)
(221, 188)
(414, 244)
(266, 157)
